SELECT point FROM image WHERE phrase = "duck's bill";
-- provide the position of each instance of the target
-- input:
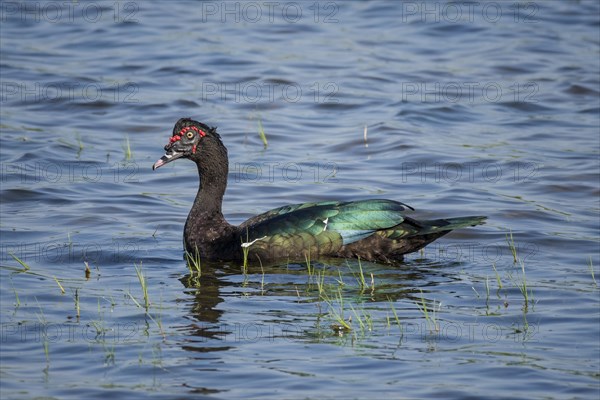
(167, 158)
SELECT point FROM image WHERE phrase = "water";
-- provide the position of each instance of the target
(470, 108)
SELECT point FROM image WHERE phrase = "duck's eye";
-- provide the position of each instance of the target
(190, 135)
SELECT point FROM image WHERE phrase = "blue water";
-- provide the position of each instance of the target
(488, 108)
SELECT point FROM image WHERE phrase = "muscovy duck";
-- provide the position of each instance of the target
(373, 230)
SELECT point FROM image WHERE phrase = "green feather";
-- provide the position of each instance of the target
(332, 223)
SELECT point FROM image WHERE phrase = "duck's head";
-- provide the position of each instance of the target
(186, 142)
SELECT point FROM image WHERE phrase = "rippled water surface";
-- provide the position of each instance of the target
(454, 108)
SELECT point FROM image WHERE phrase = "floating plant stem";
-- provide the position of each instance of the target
(62, 289)
(23, 264)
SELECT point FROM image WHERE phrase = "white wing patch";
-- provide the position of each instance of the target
(325, 221)
(248, 244)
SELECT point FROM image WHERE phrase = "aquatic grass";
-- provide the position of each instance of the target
(487, 286)
(364, 319)
(193, 262)
(340, 281)
(361, 279)
(143, 284)
(525, 291)
(261, 134)
(246, 251)
(127, 148)
(511, 245)
(262, 280)
(498, 280)
(17, 300)
(44, 333)
(400, 326)
(138, 305)
(321, 282)
(431, 318)
(109, 353)
(27, 268)
(521, 284)
(79, 143)
(62, 289)
(100, 327)
(523, 287)
(309, 267)
(158, 320)
(340, 325)
(23, 264)
(592, 272)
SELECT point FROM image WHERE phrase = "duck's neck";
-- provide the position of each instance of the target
(209, 199)
(206, 228)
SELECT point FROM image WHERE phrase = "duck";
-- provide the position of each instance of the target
(376, 230)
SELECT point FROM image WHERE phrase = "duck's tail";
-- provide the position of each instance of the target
(446, 225)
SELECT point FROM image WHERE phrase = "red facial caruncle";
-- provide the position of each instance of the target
(183, 131)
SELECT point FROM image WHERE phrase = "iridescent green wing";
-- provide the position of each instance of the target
(323, 226)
